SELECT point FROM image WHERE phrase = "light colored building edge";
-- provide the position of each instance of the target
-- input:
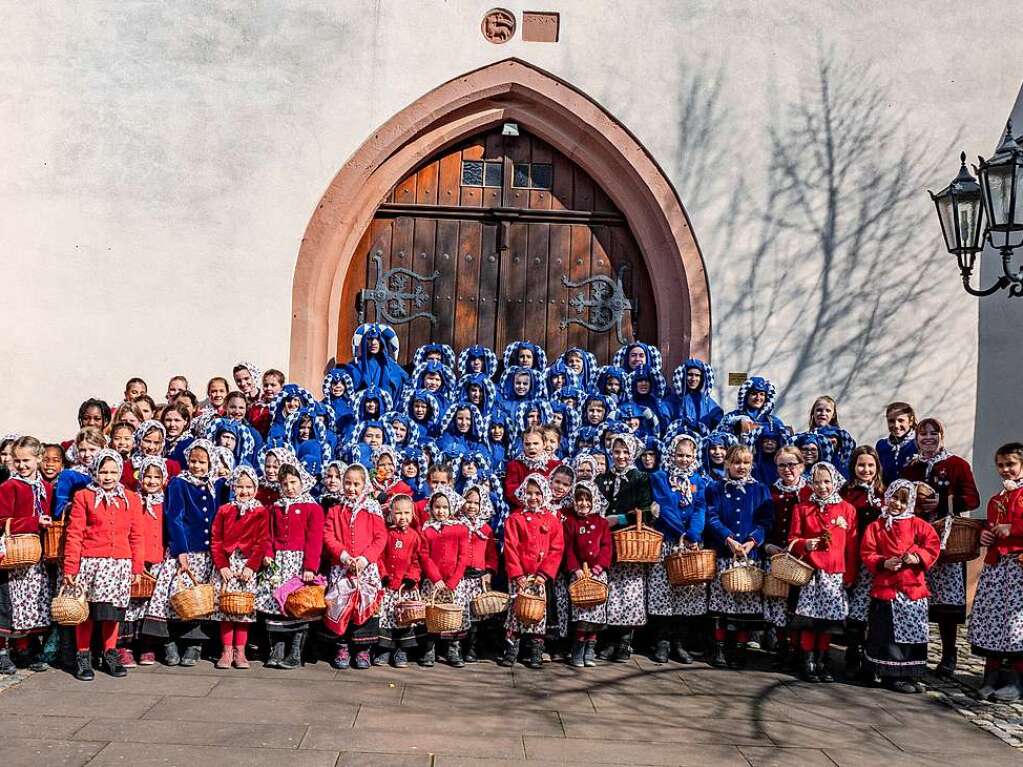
(159, 211)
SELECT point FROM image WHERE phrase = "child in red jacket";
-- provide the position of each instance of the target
(534, 543)
(356, 536)
(996, 623)
(296, 542)
(402, 563)
(239, 543)
(103, 557)
(152, 479)
(534, 459)
(823, 532)
(587, 541)
(25, 501)
(446, 554)
(898, 549)
(482, 563)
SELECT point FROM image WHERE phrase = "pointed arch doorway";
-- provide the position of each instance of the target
(336, 257)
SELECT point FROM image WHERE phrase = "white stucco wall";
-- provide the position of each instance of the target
(163, 159)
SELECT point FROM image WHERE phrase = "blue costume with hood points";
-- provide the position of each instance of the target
(383, 401)
(511, 352)
(488, 391)
(447, 355)
(720, 439)
(245, 448)
(430, 425)
(448, 387)
(418, 482)
(607, 373)
(764, 469)
(499, 451)
(344, 415)
(357, 451)
(487, 358)
(454, 443)
(839, 456)
(413, 431)
(509, 399)
(649, 425)
(762, 416)
(804, 438)
(589, 374)
(314, 452)
(654, 399)
(380, 369)
(278, 433)
(559, 370)
(698, 409)
(653, 356)
(569, 425)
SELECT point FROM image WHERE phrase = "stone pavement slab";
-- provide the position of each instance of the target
(46, 752)
(130, 755)
(216, 733)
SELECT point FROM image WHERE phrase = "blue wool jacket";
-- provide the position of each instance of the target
(68, 482)
(894, 458)
(742, 515)
(677, 516)
(188, 513)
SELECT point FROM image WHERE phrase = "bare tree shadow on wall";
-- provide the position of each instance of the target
(830, 281)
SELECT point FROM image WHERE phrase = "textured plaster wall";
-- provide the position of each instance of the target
(161, 162)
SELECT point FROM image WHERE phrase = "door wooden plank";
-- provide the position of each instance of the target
(583, 197)
(446, 289)
(511, 312)
(426, 184)
(536, 283)
(405, 191)
(600, 343)
(424, 243)
(517, 150)
(579, 270)
(355, 280)
(449, 178)
(471, 196)
(400, 254)
(562, 197)
(558, 265)
(467, 308)
(540, 153)
(489, 297)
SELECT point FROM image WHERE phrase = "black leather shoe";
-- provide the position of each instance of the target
(112, 662)
(455, 655)
(661, 650)
(83, 667)
(191, 656)
(170, 654)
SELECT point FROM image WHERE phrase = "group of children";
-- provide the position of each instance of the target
(468, 474)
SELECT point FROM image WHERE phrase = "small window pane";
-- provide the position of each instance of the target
(540, 176)
(495, 174)
(521, 179)
(472, 173)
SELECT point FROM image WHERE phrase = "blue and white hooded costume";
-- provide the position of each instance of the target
(454, 443)
(570, 396)
(764, 469)
(589, 373)
(430, 425)
(719, 438)
(649, 424)
(499, 450)
(607, 373)
(380, 369)
(312, 453)
(654, 400)
(605, 401)
(653, 356)
(383, 401)
(448, 387)
(697, 410)
(840, 455)
(474, 457)
(357, 451)
(245, 447)
(488, 391)
(417, 483)
(762, 416)
(804, 438)
(413, 432)
(570, 422)
(278, 434)
(511, 355)
(557, 376)
(447, 354)
(344, 414)
(486, 357)
(509, 399)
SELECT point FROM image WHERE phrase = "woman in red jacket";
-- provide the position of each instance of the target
(296, 542)
(446, 554)
(482, 560)
(955, 494)
(25, 501)
(355, 535)
(239, 543)
(534, 543)
(823, 532)
(103, 556)
(898, 549)
(587, 541)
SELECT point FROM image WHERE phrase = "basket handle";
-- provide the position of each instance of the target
(586, 570)
(73, 590)
(639, 520)
(191, 577)
(7, 527)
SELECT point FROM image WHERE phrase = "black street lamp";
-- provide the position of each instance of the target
(964, 205)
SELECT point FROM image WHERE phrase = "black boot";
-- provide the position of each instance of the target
(469, 654)
(824, 668)
(809, 673)
(578, 657)
(853, 661)
(170, 654)
(949, 634)
(511, 653)
(781, 655)
(83, 667)
(191, 656)
(590, 653)
(661, 650)
(455, 659)
(113, 664)
(535, 660)
(992, 681)
(273, 660)
(741, 655)
(623, 648)
(7, 666)
(681, 654)
(718, 659)
(294, 659)
(429, 656)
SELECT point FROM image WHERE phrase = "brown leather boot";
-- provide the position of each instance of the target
(225, 658)
(240, 661)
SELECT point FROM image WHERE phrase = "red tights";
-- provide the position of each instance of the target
(107, 631)
(811, 640)
(994, 664)
(721, 634)
(20, 644)
(234, 634)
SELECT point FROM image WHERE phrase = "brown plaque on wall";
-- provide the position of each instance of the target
(737, 379)
(540, 27)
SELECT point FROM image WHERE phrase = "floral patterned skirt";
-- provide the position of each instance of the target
(24, 601)
(664, 599)
(237, 563)
(200, 565)
(996, 624)
(897, 635)
(822, 604)
(859, 595)
(107, 585)
(626, 599)
(740, 607)
(947, 584)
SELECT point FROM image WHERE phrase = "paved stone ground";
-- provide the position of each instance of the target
(634, 714)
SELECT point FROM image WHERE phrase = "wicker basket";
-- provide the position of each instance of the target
(743, 577)
(775, 588)
(531, 603)
(23, 549)
(488, 603)
(963, 543)
(587, 592)
(637, 544)
(69, 607)
(442, 614)
(306, 603)
(691, 567)
(410, 609)
(144, 588)
(53, 541)
(237, 602)
(790, 569)
(194, 603)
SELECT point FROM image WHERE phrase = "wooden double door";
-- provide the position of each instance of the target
(500, 223)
